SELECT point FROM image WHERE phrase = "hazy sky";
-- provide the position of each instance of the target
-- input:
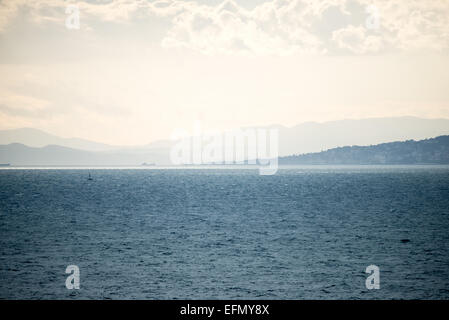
(137, 70)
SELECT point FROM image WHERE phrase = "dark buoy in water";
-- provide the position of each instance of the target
(405, 240)
(90, 177)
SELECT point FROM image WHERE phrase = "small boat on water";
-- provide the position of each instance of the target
(90, 177)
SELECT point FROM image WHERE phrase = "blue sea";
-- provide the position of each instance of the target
(303, 233)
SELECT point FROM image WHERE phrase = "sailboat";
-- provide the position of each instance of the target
(90, 177)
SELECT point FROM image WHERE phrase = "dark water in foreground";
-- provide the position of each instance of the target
(304, 233)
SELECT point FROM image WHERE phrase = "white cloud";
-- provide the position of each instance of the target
(275, 27)
(356, 40)
(269, 29)
(284, 27)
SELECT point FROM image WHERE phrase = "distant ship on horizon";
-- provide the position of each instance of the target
(148, 164)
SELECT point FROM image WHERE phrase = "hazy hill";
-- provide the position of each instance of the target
(429, 151)
(302, 138)
(37, 138)
(18, 154)
(315, 137)
(34, 147)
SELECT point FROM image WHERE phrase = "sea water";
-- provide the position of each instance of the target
(303, 233)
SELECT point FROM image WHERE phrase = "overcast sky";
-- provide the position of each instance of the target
(135, 71)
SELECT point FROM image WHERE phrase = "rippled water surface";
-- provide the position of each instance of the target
(304, 233)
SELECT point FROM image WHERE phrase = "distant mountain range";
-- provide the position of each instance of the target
(315, 137)
(428, 151)
(20, 155)
(29, 146)
(37, 139)
(302, 138)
